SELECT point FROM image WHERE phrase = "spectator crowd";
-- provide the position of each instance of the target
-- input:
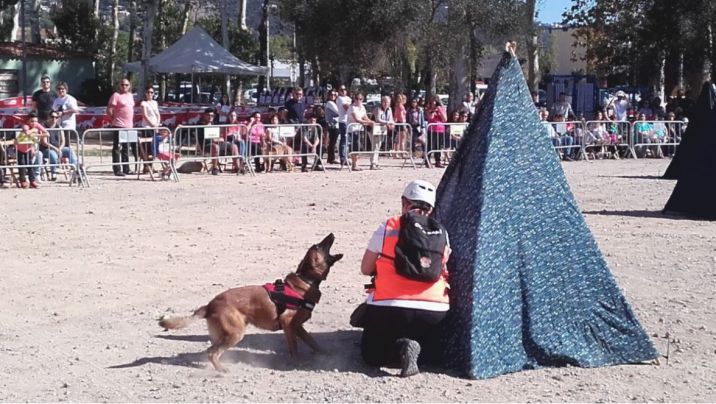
(341, 127)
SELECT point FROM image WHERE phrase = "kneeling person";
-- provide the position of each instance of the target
(409, 297)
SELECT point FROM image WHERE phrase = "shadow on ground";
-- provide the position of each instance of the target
(637, 177)
(637, 213)
(269, 351)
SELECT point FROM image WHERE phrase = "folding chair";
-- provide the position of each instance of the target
(10, 160)
(145, 146)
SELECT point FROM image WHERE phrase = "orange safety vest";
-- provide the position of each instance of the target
(390, 285)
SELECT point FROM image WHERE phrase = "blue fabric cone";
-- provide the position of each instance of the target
(529, 286)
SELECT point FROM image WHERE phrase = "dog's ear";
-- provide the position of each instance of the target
(336, 258)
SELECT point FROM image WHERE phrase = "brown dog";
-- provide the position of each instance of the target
(283, 305)
(278, 153)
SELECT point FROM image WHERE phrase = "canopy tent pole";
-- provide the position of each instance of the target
(191, 97)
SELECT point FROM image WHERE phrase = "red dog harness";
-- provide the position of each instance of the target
(284, 297)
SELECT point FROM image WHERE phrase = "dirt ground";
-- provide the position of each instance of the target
(86, 273)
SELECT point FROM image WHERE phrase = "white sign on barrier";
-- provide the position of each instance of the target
(127, 136)
(457, 130)
(212, 133)
(286, 131)
(380, 130)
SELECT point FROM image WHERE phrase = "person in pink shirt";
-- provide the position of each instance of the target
(257, 132)
(120, 111)
(435, 114)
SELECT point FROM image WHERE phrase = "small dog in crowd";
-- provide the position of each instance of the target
(285, 304)
(274, 150)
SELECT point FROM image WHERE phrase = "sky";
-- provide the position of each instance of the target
(550, 11)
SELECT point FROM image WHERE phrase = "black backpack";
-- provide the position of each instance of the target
(421, 244)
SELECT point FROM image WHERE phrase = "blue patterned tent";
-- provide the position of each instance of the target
(694, 164)
(529, 286)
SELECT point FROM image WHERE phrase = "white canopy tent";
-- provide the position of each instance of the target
(197, 52)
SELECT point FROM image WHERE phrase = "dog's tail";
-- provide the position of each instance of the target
(173, 323)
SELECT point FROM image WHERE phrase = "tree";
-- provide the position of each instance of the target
(113, 40)
(623, 38)
(8, 18)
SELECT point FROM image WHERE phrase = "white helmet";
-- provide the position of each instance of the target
(420, 190)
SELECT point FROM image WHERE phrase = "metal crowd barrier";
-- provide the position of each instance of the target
(380, 140)
(126, 139)
(289, 142)
(186, 140)
(443, 143)
(653, 136)
(607, 138)
(568, 138)
(42, 161)
(285, 144)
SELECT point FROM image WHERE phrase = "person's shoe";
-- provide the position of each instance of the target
(24, 184)
(53, 177)
(128, 172)
(34, 184)
(214, 171)
(119, 174)
(409, 352)
(344, 162)
(304, 169)
(374, 167)
(318, 167)
(439, 165)
(567, 158)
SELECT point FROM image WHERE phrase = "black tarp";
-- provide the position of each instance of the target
(694, 165)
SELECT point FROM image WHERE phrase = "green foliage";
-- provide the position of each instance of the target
(281, 47)
(6, 22)
(168, 22)
(241, 43)
(78, 30)
(624, 38)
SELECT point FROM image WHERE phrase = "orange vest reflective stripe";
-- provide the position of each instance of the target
(390, 285)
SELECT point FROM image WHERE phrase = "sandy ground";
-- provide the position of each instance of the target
(86, 273)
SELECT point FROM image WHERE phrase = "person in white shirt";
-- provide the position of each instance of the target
(383, 117)
(343, 102)
(66, 106)
(332, 117)
(469, 105)
(563, 107)
(357, 124)
(621, 106)
(150, 119)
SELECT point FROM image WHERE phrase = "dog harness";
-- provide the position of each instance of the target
(284, 297)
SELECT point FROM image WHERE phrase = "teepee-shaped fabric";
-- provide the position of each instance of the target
(701, 129)
(529, 286)
(694, 164)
